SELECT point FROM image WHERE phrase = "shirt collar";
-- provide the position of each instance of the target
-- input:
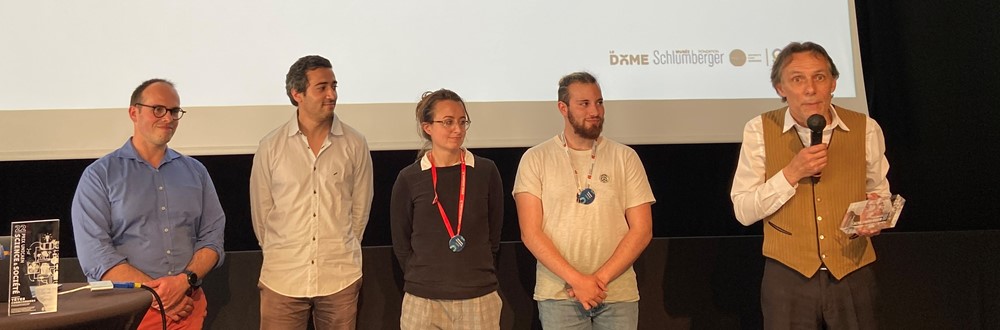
(835, 121)
(292, 126)
(425, 163)
(127, 151)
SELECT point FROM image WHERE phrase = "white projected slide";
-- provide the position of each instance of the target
(672, 71)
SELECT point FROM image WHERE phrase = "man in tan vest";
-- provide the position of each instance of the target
(815, 276)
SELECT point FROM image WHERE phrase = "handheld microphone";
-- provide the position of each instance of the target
(816, 124)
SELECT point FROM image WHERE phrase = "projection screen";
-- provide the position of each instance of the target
(671, 71)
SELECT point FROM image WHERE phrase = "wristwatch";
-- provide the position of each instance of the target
(193, 281)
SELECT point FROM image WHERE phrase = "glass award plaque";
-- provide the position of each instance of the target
(34, 267)
(879, 213)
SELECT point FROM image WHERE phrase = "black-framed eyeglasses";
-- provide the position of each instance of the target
(450, 123)
(159, 111)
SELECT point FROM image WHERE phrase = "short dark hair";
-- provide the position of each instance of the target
(425, 112)
(785, 57)
(296, 78)
(572, 78)
(137, 93)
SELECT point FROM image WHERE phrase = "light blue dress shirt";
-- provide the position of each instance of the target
(125, 210)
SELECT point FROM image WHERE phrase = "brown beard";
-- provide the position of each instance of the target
(582, 130)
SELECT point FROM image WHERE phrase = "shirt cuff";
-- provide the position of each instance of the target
(780, 184)
(780, 189)
(105, 264)
(218, 251)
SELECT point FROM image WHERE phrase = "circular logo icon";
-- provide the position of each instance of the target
(737, 57)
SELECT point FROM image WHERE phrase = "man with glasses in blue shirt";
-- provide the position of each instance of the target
(145, 213)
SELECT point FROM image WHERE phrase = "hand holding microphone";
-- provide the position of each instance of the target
(810, 161)
(816, 125)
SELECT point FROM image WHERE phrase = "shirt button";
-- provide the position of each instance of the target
(314, 238)
(823, 256)
(168, 251)
(819, 200)
(313, 262)
(314, 192)
(819, 218)
(163, 208)
(822, 237)
(314, 215)
(160, 187)
(166, 230)
(170, 272)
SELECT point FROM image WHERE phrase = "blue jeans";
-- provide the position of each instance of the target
(569, 314)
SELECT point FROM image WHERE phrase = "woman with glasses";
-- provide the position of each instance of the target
(446, 215)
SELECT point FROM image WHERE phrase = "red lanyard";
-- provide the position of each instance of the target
(461, 196)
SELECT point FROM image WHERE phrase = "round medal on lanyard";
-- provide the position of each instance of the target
(457, 243)
(586, 196)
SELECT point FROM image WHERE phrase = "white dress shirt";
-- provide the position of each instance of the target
(754, 198)
(310, 211)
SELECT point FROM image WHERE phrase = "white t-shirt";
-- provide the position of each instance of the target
(585, 235)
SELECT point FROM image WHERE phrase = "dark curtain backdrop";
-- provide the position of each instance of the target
(933, 78)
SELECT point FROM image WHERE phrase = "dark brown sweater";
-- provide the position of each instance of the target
(420, 240)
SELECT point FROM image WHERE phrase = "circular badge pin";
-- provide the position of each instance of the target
(586, 196)
(456, 243)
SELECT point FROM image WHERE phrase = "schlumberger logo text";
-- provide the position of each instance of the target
(709, 58)
(628, 59)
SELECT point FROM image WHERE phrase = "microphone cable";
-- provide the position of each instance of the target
(130, 285)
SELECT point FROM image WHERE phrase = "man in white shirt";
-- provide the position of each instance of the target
(815, 275)
(583, 204)
(310, 196)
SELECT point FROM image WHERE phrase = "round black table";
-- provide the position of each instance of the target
(85, 309)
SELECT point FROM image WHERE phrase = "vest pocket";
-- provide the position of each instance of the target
(779, 229)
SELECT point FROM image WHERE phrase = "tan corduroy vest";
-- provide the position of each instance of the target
(804, 233)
